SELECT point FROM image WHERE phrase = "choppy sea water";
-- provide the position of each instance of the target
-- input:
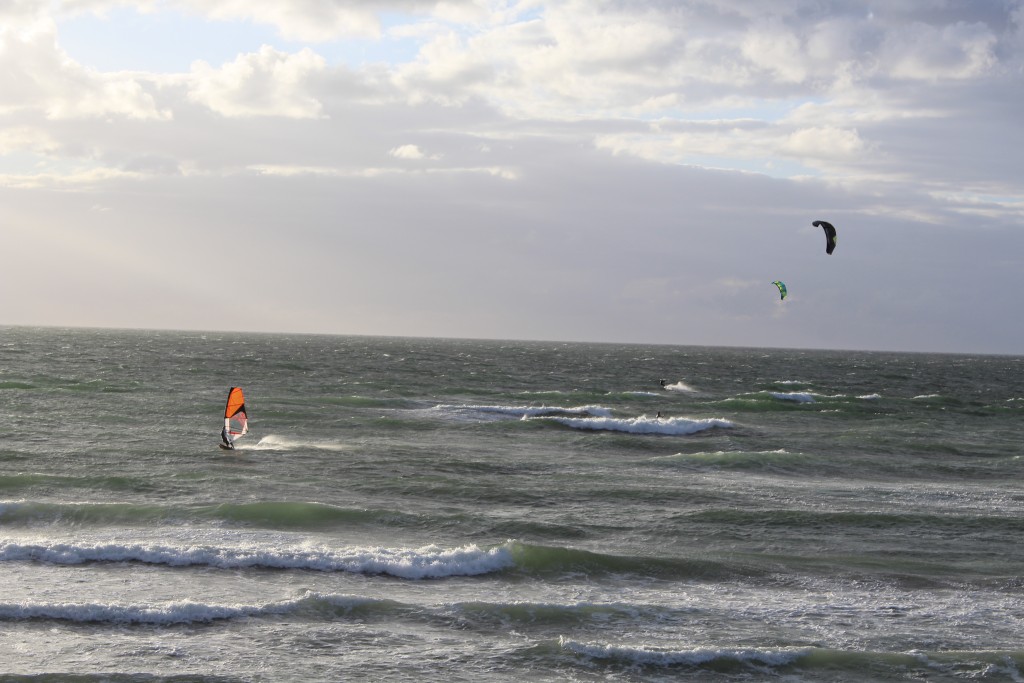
(413, 509)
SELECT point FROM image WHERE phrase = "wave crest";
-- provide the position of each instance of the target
(670, 426)
(644, 656)
(427, 562)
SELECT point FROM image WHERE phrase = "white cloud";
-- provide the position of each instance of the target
(266, 83)
(823, 148)
(576, 60)
(411, 152)
(823, 143)
(379, 171)
(779, 51)
(37, 75)
(306, 20)
(78, 179)
(324, 20)
(26, 138)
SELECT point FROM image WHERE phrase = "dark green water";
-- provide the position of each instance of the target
(470, 510)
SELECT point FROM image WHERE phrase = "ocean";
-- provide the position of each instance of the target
(461, 510)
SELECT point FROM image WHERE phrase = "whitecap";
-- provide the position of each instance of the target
(426, 562)
(272, 442)
(644, 656)
(524, 412)
(672, 426)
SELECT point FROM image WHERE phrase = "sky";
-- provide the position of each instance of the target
(631, 171)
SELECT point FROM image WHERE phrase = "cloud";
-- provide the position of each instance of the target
(823, 143)
(774, 48)
(634, 170)
(319, 21)
(762, 146)
(412, 153)
(407, 152)
(76, 179)
(924, 52)
(38, 76)
(26, 138)
(572, 59)
(305, 20)
(266, 83)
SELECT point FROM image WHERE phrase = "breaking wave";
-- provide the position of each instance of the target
(521, 412)
(644, 656)
(427, 562)
(669, 426)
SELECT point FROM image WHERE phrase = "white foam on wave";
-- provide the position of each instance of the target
(272, 442)
(427, 562)
(643, 656)
(166, 613)
(178, 612)
(523, 412)
(706, 455)
(672, 426)
(681, 387)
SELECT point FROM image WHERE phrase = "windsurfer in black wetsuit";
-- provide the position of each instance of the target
(227, 441)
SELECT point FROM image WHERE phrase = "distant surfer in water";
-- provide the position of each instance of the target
(226, 440)
(664, 382)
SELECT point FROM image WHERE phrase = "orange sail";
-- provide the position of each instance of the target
(236, 422)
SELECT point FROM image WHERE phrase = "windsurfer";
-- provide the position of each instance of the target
(236, 422)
